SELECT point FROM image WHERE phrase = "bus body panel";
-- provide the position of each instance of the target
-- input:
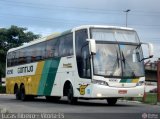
(48, 77)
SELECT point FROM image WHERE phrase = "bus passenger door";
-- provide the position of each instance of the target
(83, 60)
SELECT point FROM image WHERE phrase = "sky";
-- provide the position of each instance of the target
(47, 16)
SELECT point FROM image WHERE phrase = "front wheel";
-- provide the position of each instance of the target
(111, 101)
(70, 96)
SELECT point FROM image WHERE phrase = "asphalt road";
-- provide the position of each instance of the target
(91, 109)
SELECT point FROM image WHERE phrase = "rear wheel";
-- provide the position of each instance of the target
(70, 96)
(22, 93)
(17, 94)
(111, 101)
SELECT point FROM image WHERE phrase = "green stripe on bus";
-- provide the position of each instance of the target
(123, 81)
(44, 76)
(48, 76)
(51, 76)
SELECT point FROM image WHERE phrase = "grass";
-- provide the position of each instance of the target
(151, 98)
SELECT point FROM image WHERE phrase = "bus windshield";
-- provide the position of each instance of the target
(117, 59)
(114, 35)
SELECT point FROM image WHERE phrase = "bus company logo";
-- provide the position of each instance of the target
(10, 71)
(69, 65)
(144, 116)
(82, 88)
(25, 69)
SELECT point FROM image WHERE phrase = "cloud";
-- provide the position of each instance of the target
(47, 16)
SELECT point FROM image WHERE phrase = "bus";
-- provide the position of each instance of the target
(86, 62)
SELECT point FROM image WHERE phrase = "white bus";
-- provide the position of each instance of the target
(86, 62)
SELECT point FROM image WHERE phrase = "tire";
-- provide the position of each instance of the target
(17, 94)
(53, 98)
(70, 96)
(111, 101)
(23, 94)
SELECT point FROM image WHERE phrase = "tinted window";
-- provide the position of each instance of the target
(9, 59)
(66, 45)
(52, 48)
(16, 58)
(22, 56)
(40, 51)
(28, 54)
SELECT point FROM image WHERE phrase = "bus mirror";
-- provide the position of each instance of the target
(150, 47)
(92, 45)
(150, 50)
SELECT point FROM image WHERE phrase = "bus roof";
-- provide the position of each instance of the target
(54, 35)
(101, 26)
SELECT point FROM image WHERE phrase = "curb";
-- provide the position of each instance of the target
(130, 101)
(3, 94)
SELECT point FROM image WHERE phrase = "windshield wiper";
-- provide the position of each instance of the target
(133, 74)
(117, 58)
(138, 46)
(123, 59)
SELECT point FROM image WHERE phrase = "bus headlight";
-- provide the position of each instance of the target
(140, 83)
(100, 82)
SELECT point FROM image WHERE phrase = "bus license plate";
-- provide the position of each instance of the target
(122, 91)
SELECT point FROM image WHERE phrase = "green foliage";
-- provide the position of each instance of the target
(2, 89)
(12, 37)
(151, 98)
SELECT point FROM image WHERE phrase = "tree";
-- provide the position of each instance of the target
(12, 37)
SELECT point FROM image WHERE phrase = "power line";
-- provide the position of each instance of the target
(52, 20)
(62, 7)
(71, 21)
(89, 10)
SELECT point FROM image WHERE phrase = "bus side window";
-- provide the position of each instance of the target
(22, 56)
(38, 51)
(52, 48)
(9, 59)
(33, 53)
(69, 44)
(28, 54)
(15, 56)
(66, 45)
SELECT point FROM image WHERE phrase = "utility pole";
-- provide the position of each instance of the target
(158, 80)
(126, 11)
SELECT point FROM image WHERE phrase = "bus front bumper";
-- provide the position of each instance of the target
(100, 91)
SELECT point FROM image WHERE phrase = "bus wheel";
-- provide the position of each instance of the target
(17, 94)
(70, 96)
(22, 93)
(111, 101)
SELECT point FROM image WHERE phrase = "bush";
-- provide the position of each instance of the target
(2, 89)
